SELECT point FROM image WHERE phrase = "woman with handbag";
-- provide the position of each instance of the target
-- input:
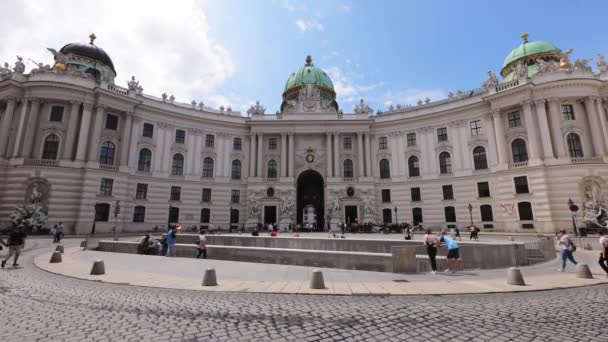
(567, 247)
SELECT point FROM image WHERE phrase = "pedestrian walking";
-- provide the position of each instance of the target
(603, 251)
(202, 245)
(408, 233)
(170, 241)
(58, 232)
(567, 247)
(457, 233)
(15, 243)
(453, 254)
(431, 242)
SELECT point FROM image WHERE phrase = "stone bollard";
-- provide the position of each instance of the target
(316, 281)
(514, 277)
(583, 271)
(56, 257)
(98, 268)
(83, 244)
(59, 248)
(210, 279)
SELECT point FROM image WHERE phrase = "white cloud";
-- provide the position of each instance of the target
(347, 85)
(343, 8)
(166, 46)
(309, 25)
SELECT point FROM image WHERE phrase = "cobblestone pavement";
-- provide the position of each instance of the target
(38, 306)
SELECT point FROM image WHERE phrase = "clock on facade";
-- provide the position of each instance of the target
(310, 158)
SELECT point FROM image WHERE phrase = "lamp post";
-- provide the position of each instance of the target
(471, 213)
(169, 218)
(116, 212)
(573, 209)
(94, 219)
(396, 219)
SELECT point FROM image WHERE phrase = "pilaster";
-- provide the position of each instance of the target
(543, 126)
(5, 125)
(68, 147)
(85, 125)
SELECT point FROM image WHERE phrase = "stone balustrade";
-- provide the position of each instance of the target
(507, 85)
(41, 162)
(586, 160)
(518, 165)
(107, 167)
(117, 89)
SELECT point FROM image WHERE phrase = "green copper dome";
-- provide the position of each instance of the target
(527, 49)
(527, 54)
(309, 74)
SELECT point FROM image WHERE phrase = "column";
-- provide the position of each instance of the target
(373, 147)
(252, 158)
(368, 170)
(85, 125)
(488, 128)
(283, 154)
(133, 154)
(603, 120)
(328, 153)
(532, 130)
(96, 135)
(464, 146)
(5, 125)
(124, 139)
(292, 154)
(32, 129)
(20, 128)
(68, 147)
(595, 127)
(555, 120)
(501, 141)
(260, 158)
(336, 155)
(361, 171)
(543, 127)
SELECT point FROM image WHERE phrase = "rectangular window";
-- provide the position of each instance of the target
(176, 193)
(111, 122)
(475, 127)
(206, 195)
(348, 143)
(411, 139)
(521, 185)
(514, 119)
(210, 140)
(235, 196)
(567, 112)
(139, 214)
(180, 136)
(142, 191)
(205, 215)
(448, 192)
(148, 131)
(386, 195)
(442, 134)
(415, 194)
(483, 189)
(105, 187)
(173, 214)
(237, 144)
(56, 113)
(383, 143)
(272, 144)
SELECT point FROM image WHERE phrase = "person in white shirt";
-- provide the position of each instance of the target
(566, 248)
(603, 251)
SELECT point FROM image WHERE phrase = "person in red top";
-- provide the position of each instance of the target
(274, 233)
(202, 245)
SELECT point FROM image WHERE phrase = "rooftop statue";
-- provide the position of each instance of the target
(164, 96)
(581, 64)
(257, 109)
(61, 60)
(171, 99)
(193, 103)
(427, 100)
(595, 212)
(41, 68)
(201, 105)
(490, 83)
(133, 84)
(19, 66)
(601, 63)
(521, 70)
(5, 70)
(546, 67)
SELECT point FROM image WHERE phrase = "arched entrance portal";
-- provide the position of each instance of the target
(310, 195)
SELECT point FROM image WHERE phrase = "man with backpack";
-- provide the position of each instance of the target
(567, 247)
(15, 243)
(603, 251)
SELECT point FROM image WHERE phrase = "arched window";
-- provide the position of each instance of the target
(272, 169)
(102, 212)
(413, 166)
(445, 163)
(525, 211)
(208, 167)
(520, 152)
(236, 169)
(417, 216)
(486, 213)
(385, 169)
(450, 214)
(139, 213)
(574, 145)
(177, 165)
(145, 160)
(348, 168)
(51, 147)
(387, 216)
(479, 158)
(106, 153)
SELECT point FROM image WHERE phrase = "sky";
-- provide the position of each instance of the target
(236, 52)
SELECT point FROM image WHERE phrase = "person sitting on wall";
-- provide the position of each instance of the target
(144, 244)
(255, 232)
(274, 233)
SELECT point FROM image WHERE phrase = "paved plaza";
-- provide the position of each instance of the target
(40, 306)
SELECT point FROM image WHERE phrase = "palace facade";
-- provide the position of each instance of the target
(507, 156)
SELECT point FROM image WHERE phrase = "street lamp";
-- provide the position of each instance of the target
(396, 220)
(573, 209)
(471, 213)
(116, 212)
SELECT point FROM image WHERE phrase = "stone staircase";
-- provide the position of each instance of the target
(535, 256)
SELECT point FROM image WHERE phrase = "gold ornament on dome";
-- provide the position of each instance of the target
(564, 60)
(60, 67)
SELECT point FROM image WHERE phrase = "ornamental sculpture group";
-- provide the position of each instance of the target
(595, 212)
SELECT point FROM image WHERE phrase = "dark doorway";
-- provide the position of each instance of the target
(387, 216)
(350, 213)
(234, 218)
(310, 192)
(173, 214)
(270, 214)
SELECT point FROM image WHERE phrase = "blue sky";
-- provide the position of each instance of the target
(391, 51)
(234, 52)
